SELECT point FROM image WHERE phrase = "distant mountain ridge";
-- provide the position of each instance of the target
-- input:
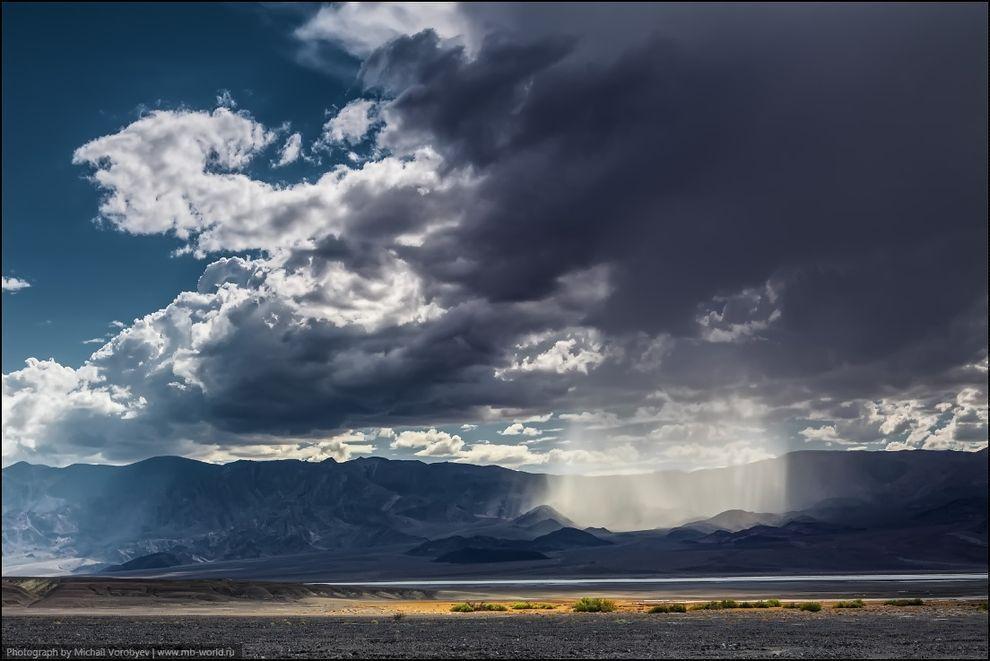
(248, 509)
(558, 540)
(541, 515)
(733, 521)
(185, 509)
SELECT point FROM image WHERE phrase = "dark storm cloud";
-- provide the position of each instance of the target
(317, 376)
(273, 371)
(839, 151)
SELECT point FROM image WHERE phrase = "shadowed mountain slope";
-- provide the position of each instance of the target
(933, 505)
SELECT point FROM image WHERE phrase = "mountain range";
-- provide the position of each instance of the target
(378, 518)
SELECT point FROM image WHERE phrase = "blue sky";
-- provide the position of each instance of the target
(75, 72)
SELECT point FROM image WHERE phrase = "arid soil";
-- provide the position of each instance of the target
(293, 620)
(957, 632)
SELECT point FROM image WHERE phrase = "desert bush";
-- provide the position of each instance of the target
(668, 608)
(904, 602)
(716, 605)
(531, 605)
(854, 603)
(490, 607)
(732, 603)
(810, 606)
(472, 606)
(594, 605)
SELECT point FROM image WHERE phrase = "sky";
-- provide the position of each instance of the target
(576, 239)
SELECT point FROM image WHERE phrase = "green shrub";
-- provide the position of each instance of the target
(668, 608)
(810, 606)
(904, 602)
(594, 605)
(490, 607)
(472, 606)
(731, 603)
(531, 605)
(854, 603)
(717, 605)
(981, 605)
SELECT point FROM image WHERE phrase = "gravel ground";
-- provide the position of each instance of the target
(916, 633)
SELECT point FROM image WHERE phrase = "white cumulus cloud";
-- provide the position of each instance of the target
(351, 123)
(361, 27)
(290, 151)
(14, 284)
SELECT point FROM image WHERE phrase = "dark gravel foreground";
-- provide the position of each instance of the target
(783, 634)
